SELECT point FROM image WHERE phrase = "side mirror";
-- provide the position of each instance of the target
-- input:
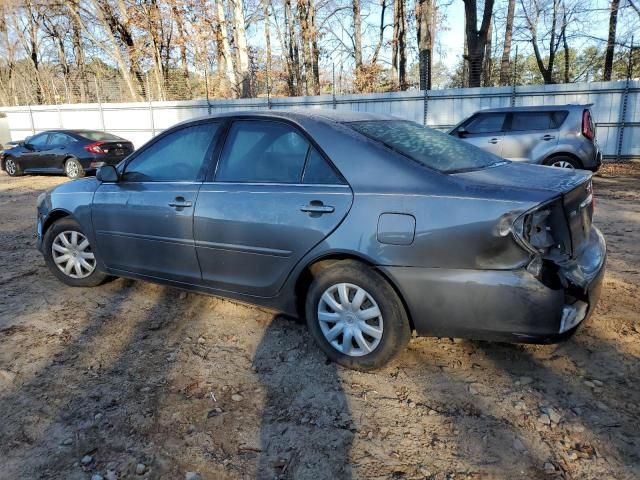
(107, 174)
(462, 132)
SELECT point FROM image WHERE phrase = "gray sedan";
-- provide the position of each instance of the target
(368, 226)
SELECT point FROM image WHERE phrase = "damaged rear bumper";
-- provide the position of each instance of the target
(504, 305)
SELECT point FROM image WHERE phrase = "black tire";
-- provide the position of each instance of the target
(68, 225)
(73, 169)
(396, 330)
(562, 161)
(12, 167)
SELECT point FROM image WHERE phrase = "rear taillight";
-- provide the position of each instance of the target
(587, 125)
(95, 148)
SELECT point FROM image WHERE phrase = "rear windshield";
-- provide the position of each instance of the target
(426, 146)
(97, 136)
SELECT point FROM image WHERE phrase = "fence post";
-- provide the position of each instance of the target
(425, 84)
(104, 128)
(333, 85)
(153, 126)
(33, 126)
(625, 101)
(514, 80)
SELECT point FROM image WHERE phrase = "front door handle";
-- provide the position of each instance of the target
(546, 138)
(180, 203)
(494, 140)
(317, 207)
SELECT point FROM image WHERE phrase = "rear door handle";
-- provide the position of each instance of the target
(180, 203)
(494, 140)
(317, 207)
(546, 138)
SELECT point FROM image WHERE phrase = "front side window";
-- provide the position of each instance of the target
(426, 146)
(177, 157)
(486, 123)
(262, 152)
(38, 140)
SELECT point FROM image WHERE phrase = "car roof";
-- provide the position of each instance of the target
(297, 114)
(538, 108)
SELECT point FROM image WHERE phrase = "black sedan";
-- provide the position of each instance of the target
(73, 152)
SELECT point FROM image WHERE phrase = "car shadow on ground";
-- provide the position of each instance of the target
(306, 429)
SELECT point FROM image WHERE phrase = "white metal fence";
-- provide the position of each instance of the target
(616, 108)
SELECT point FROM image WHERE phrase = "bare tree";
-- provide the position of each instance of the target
(242, 52)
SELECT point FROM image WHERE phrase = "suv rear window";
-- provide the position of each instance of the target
(428, 147)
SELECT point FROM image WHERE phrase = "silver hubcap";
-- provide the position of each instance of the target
(72, 254)
(562, 164)
(10, 166)
(350, 319)
(72, 169)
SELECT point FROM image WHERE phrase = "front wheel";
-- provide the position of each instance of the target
(69, 255)
(12, 167)
(73, 169)
(355, 316)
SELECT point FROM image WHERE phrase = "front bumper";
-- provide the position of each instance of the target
(503, 305)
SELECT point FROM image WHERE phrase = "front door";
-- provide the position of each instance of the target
(144, 222)
(273, 199)
(484, 130)
(33, 156)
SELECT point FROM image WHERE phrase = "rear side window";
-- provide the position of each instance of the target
(319, 171)
(523, 121)
(98, 136)
(264, 152)
(176, 157)
(486, 123)
(58, 139)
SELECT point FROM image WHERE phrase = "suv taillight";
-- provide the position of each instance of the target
(95, 148)
(587, 125)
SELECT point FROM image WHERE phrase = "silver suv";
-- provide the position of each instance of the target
(558, 135)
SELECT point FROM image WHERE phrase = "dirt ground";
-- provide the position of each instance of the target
(134, 380)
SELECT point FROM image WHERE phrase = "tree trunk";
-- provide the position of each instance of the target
(240, 41)
(357, 35)
(303, 21)
(425, 24)
(395, 43)
(267, 38)
(488, 59)
(611, 40)
(315, 53)
(402, 45)
(476, 39)
(505, 62)
(292, 43)
(225, 63)
(182, 40)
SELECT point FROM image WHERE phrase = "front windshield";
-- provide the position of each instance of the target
(426, 146)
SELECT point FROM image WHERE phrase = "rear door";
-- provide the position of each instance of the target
(273, 198)
(144, 223)
(485, 130)
(531, 136)
(56, 150)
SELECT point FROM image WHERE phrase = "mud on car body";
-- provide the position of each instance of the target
(368, 226)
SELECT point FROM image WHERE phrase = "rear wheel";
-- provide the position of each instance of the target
(69, 255)
(563, 162)
(12, 167)
(355, 316)
(73, 169)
